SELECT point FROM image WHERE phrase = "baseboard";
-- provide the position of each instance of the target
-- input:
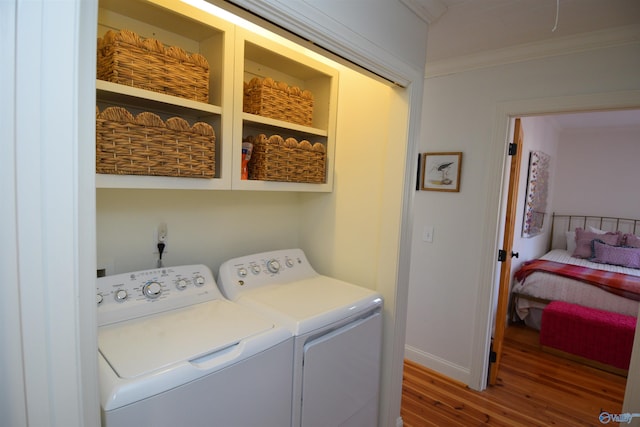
(438, 364)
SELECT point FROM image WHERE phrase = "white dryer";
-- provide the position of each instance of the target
(174, 352)
(337, 328)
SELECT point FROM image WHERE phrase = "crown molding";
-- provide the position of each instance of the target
(427, 10)
(535, 50)
(304, 20)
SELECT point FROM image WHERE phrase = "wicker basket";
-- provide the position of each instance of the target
(126, 58)
(277, 159)
(277, 100)
(147, 145)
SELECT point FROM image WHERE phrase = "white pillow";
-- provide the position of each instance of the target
(596, 230)
(571, 241)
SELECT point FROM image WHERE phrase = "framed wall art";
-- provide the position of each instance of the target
(441, 171)
(535, 205)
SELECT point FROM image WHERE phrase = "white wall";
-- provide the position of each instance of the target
(206, 227)
(540, 134)
(451, 278)
(599, 172)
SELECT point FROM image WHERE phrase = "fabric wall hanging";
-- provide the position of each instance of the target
(535, 207)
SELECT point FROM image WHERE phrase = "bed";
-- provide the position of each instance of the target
(614, 239)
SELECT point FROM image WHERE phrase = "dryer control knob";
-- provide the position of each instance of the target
(181, 284)
(289, 262)
(120, 295)
(273, 266)
(99, 299)
(152, 290)
(199, 281)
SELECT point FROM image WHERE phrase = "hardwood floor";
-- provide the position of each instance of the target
(533, 389)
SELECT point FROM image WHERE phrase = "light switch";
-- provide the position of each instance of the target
(427, 234)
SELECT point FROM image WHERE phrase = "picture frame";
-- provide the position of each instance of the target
(441, 171)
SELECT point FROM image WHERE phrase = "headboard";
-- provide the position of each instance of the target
(561, 223)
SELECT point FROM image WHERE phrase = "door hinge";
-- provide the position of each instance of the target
(502, 255)
(493, 356)
(513, 149)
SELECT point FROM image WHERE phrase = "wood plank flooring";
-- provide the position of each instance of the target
(533, 389)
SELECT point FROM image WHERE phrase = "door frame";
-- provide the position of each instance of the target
(505, 112)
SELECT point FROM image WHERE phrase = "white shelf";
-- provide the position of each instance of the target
(233, 53)
(274, 124)
(115, 93)
(158, 182)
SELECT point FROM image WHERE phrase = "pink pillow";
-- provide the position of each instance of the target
(632, 240)
(615, 255)
(584, 238)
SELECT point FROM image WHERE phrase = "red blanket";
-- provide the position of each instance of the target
(620, 284)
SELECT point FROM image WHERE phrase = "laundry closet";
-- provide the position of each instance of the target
(348, 223)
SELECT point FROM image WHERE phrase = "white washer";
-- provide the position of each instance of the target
(337, 328)
(174, 352)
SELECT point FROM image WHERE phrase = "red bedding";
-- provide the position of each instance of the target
(616, 283)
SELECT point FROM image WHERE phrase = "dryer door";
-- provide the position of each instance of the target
(341, 375)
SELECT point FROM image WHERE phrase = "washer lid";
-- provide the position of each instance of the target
(144, 345)
(309, 304)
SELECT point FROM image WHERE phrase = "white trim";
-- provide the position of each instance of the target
(391, 396)
(13, 405)
(488, 276)
(438, 364)
(54, 112)
(525, 52)
(304, 20)
(428, 10)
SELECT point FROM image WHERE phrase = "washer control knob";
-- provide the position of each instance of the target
(152, 290)
(273, 266)
(242, 272)
(181, 284)
(255, 269)
(199, 281)
(99, 299)
(289, 262)
(120, 295)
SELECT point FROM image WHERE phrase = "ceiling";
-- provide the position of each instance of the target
(462, 27)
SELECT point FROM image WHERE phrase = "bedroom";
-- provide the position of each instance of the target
(591, 154)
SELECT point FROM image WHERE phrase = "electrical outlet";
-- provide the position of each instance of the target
(161, 235)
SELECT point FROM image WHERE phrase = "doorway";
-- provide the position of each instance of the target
(623, 123)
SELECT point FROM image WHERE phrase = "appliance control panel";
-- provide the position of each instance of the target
(129, 295)
(241, 274)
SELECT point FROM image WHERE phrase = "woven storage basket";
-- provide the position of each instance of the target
(147, 145)
(126, 58)
(275, 159)
(277, 100)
